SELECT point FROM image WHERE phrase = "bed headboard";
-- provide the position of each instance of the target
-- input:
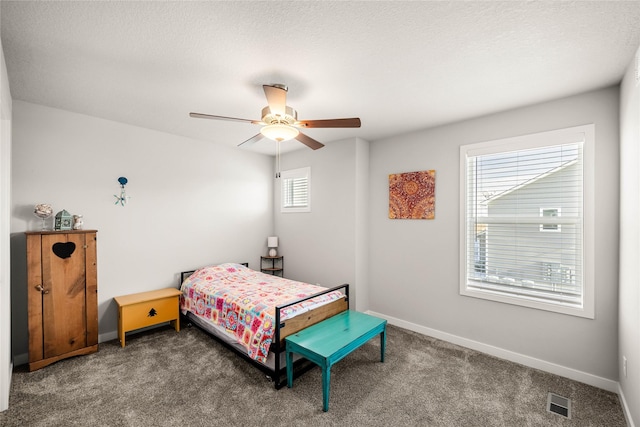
(185, 274)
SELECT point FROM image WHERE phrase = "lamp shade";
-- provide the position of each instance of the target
(279, 132)
(272, 242)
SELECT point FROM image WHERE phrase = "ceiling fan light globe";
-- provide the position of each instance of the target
(279, 132)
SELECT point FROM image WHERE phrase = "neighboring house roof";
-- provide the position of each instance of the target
(531, 181)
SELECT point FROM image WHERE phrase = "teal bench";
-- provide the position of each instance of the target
(331, 340)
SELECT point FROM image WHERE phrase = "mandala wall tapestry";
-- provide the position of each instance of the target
(412, 195)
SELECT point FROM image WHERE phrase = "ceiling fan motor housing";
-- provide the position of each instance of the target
(290, 116)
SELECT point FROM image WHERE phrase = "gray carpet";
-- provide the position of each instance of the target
(166, 378)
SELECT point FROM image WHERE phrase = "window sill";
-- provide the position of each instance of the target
(568, 308)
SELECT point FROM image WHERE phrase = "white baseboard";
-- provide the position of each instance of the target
(625, 408)
(4, 405)
(108, 336)
(20, 359)
(532, 362)
(113, 335)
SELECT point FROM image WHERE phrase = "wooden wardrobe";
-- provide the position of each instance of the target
(62, 295)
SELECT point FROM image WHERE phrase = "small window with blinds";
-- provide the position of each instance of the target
(296, 190)
(527, 220)
(550, 212)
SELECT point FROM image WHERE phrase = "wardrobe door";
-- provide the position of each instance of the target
(64, 321)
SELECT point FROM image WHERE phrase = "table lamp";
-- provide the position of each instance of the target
(272, 244)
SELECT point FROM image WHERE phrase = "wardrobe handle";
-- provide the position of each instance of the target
(41, 289)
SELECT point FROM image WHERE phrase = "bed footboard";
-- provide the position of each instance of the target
(302, 321)
(311, 317)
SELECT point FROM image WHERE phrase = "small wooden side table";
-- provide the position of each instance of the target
(144, 309)
(273, 265)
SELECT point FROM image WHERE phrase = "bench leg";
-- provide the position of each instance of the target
(289, 360)
(326, 379)
(383, 343)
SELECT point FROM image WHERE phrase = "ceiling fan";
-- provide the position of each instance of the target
(280, 122)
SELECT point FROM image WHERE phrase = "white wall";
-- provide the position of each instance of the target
(361, 169)
(413, 265)
(192, 202)
(5, 212)
(328, 245)
(630, 243)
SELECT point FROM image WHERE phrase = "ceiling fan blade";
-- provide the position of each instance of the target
(309, 142)
(276, 98)
(330, 123)
(235, 119)
(251, 140)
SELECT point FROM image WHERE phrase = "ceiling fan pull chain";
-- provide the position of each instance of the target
(278, 159)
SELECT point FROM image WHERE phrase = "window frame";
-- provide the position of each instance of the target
(584, 133)
(298, 173)
(558, 227)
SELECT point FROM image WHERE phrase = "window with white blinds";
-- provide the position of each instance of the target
(526, 222)
(296, 190)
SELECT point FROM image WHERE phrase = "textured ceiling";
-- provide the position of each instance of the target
(399, 66)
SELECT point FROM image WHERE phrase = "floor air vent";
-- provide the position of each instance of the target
(559, 405)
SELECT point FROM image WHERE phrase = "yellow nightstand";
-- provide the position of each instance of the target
(144, 309)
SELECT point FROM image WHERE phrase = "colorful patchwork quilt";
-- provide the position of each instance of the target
(243, 301)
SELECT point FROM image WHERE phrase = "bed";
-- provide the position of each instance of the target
(253, 312)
